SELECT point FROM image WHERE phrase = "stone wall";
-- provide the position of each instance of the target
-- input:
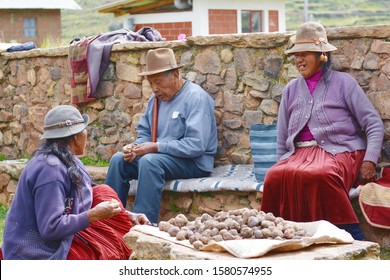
(245, 74)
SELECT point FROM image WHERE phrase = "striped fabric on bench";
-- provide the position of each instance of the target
(234, 177)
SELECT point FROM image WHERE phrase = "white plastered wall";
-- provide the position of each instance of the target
(199, 14)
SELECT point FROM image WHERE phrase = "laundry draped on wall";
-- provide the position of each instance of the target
(90, 56)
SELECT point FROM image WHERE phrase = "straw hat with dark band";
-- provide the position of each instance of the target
(160, 60)
(63, 121)
(311, 37)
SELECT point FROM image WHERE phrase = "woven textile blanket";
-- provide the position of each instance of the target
(233, 177)
(374, 200)
(79, 78)
(263, 148)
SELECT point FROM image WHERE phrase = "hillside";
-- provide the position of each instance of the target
(87, 21)
(339, 12)
(328, 12)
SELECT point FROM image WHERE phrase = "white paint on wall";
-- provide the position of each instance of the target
(199, 15)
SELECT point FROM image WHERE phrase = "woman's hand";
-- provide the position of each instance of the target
(138, 218)
(104, 210)
(367, 172)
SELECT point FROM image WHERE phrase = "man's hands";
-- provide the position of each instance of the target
(131, 151)
(128, 154)
(367, 172)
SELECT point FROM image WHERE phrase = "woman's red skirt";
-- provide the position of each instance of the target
(312, 185)
(102, 240)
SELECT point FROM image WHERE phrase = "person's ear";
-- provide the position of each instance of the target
(78, 138)
(175, 73)
(324, 58)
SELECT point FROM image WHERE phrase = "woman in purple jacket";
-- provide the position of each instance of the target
(56, 213)
(329, 139)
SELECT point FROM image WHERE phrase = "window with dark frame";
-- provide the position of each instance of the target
(251, 21)
(29, 27)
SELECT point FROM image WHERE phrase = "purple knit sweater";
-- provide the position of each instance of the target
(338, 113)
(36, 226)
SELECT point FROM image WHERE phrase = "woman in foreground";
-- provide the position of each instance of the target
(56, 212)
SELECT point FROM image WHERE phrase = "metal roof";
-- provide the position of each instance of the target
(39, 4)
(124, 7)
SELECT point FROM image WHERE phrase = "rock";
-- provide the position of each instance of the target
(208, 62)
(128, 72)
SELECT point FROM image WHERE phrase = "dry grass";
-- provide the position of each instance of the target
(385, 254)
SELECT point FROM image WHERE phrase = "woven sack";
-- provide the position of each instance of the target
(374, 200)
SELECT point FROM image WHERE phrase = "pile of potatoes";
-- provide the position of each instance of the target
(234, 224)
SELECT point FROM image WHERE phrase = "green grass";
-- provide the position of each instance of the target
(3, 212)
(94, 162)
(86, 22)
(338, 12)
(385, 254)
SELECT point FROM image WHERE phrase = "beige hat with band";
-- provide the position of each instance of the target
(63, 121)
(311, 37)
(159, 60)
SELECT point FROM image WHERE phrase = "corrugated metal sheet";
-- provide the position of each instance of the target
(120, 8)
(39, 4)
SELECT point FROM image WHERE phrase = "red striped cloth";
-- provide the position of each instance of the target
(312, 185)
(103, 240)
(80, 80)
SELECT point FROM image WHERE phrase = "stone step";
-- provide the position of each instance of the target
(191, 204)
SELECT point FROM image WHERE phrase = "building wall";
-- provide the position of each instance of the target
(48, 23)
(225, 21)
(199, 16)
(201, 7)
(222, 21)
(273, 21)
(170, 30)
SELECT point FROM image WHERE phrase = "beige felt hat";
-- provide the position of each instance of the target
(63, 121)
(159, 60)
(311, 37)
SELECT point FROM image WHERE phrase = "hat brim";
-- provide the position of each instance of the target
(148, 73)
(311, 47)
(66, 130)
